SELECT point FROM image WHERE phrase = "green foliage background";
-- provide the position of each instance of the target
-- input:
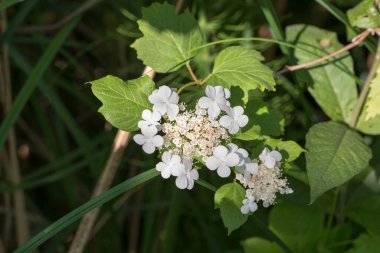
(55, 116)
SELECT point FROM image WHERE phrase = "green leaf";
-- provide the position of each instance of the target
(331, 84)
(370, 126)
(168, 38)
(79, 212)
(290, 150)
(372, 106)
(365, 15)
(34, 80)
(123, 102)
(229, 199)
(366, 212)
(334, 155)
(241, 67)
(369, 120)
(365, 244)
(300, 227)
(262, 121)
(260, 245)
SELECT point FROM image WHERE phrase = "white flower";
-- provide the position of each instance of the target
(169, 164)
(150, 119)
(222, 160)
(148, 139)
(241, 152)
(249, 203)
(250, 168)
(269, 158)
(185, 175)
(234, 119)
(215, 101)
(165, 100)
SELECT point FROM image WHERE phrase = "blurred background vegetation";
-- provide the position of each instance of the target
(59, 143)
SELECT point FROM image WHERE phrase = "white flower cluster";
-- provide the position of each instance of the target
(264, 182)
(191, 138)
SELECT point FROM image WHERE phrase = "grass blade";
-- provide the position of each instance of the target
(77, 213)
(33, 80)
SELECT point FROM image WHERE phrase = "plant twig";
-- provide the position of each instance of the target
(364, 92)
(195, 78)
(13, 171)
(185, 86)
(355, 42)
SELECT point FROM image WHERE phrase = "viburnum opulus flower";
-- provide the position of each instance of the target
(189, 139)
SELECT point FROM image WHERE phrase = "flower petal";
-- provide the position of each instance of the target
(154, 97)
(160, 166)
(233, 128)
(160, 108)
(190, 184)
(146, 115)
(204, 102)
(244, 209)
(174, 98)
(242, 120)
(166, 157)
(179, 170)
(252, 206)
(149, 148)
(237, 111)
(225, 121)
(210, 91)
(194, 174)
(175, 159)
(223, 170)
(164, 92)
(157, 141)
(212, 163)
(181, 182)
(213, 110)
(227, 93)
(139, 139)
(172, 110)
(233, 147)
(232, 159)
(156, 116)
(166, 173)
(276, 155)
(270, 162)
(220, 152)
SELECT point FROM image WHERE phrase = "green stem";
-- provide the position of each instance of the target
(364, 92)
(192, 72)
(186, 86)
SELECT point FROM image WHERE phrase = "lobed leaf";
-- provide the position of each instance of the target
(241, 67)
(335, 155)
(168, 38)
(123, 102)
